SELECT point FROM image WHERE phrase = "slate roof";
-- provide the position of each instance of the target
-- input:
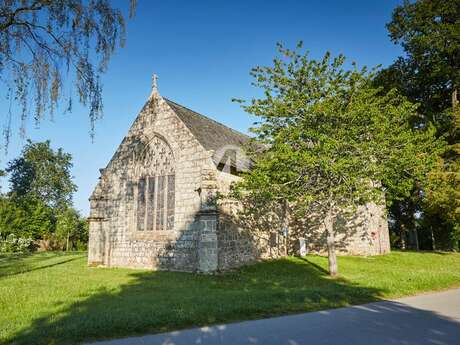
(211, 134)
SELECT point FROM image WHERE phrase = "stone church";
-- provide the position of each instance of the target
(155, 203)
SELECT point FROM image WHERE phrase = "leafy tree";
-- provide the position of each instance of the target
(333, 141)
(43, 173)
(42, 41)
(13, 218)
(429, 31)
(429, 74)
(67, 227)
(442, 202)
(39, 204)
(26, 218)
(80, 240)
(41, 219)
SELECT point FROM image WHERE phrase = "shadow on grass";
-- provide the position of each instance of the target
(14, 264)
(437, 252)
(319, 268)
(162, 301)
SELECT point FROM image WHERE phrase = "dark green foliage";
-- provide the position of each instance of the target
(39, 203)
(429, 74)
(71, 230)
(42, 173)
(13, 218)
(429, 31)
(27, 218)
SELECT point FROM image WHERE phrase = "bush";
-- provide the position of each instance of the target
(81, 246)
(13, 244)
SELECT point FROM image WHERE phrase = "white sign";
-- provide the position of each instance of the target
(303, 247)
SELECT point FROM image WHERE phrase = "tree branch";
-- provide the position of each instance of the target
(36, 6)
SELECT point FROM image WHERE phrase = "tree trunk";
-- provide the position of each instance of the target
(433, 243)
(286, 250)
(278, 244)
(417, 246)
(412, 223)
(454, 97)
(402, 234)
(331, 255)
(286, 228)
(67, 243)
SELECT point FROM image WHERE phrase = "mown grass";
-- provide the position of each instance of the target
(54, 298)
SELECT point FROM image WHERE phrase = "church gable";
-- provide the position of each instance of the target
(182, 129)
(144, 208)
(158, 128)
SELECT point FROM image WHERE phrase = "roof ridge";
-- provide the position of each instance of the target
(207, 118)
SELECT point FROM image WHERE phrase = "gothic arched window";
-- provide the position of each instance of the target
(155, 187)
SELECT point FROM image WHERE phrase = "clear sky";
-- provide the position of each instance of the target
(202, 52)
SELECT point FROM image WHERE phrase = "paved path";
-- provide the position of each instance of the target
(426, 319)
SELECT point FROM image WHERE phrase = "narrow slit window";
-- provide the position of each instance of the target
(170, 203)
(140, 204)
(150, 204)
(160, 203)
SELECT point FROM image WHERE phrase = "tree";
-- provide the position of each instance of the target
(67, 227)
(333, 141)
(429, 31)
(429, 74)
(39, 203)
(13, 219)
(28, 217)
(42, 173)
(41, 41)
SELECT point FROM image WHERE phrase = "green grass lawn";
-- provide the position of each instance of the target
(54, 298)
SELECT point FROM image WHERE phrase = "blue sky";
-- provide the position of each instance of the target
(202, 52)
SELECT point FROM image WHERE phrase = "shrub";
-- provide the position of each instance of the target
(13, 244)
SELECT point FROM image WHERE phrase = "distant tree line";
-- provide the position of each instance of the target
(429, 76)
(38, 206)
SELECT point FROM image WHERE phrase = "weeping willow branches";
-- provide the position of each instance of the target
(45, 42)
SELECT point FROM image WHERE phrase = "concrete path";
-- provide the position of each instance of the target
(425, 319)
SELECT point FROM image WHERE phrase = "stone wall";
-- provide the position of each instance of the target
(237, 243)
(360, 232)
(363, 231)
(237, 246)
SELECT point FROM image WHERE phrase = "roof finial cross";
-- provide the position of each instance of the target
(154, 83)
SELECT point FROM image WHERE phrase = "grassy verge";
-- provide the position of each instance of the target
(53, 298)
